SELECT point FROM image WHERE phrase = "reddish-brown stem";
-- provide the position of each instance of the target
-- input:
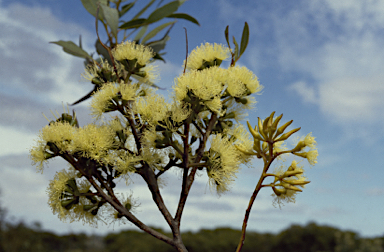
(267, 164)
(121, 209)
(247, 213)
(188, 181)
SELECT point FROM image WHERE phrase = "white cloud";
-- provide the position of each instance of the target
(305, 91)
(29, 63)
(341, 53)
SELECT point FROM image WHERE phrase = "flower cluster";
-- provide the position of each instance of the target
(269, 144)
(214, 87)
(207, 55)
(132, 51)
(285, 185)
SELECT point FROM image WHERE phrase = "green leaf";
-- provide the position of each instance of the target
(112, 17)
(226, 33)
(181, 2)
(159, 45)
(72, 48)
(236, 52)
(141, 33)
(184, 16)
(102, 51)
(244, 39)
(158, 57)
(91, 6)
(126, 8)
(163, 11)
(134, 23)
(144, 9)
(155, 31)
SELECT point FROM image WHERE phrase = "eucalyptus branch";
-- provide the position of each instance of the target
(98, 152)
(197, 127)
(97, 33)
(133, 127)
(149, 176)
(117, 205)
(191, 176)
(259, 185)
(121, 209)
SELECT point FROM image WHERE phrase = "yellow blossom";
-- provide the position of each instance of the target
(207, 53)
(59, 133)
(223, 161)
(243, 140)
(148, 74)
(300, 149)
(205, 85)
(309, 141)
(128, 202)
(312, 157)
(152, 108)
(76, 213)
(96, 71)
(94, 141)
(241, 81)
(102, 99)
(130, 51)
(38, 154)
(286, 183)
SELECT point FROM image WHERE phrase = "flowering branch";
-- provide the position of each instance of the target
(151, 136)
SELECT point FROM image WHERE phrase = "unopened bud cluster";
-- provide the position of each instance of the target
(268, 141)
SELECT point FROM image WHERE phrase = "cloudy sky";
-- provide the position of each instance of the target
(321, 63)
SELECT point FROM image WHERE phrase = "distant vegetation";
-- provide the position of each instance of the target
(309, 238)
(20, 237)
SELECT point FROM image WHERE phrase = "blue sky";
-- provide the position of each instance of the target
(321, 63)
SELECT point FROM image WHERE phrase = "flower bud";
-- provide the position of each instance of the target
(291, 187)
(279, 191)
(254, 132)
(299, 147)
(88, 207)
(286, 135)
(281, 129)
(128, 206)
(298, 182)
(68, 203)
(291, 173)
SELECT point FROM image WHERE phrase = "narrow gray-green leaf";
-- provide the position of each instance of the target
(144, 9)
(141, 33)
(72, 48)
(126, 8)
(181, 2)
(244, 39)
(236, 52)
(155, 31)
(163, 11)
(111, 15)
(91, 6)
(184, 16)
(134, 23)
(159, 45)
(102, 51)
(226, 33)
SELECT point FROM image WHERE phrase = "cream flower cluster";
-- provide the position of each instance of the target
(131, 51)
(211, 85)
(207, 53)
(287, 183)
(55, 191)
